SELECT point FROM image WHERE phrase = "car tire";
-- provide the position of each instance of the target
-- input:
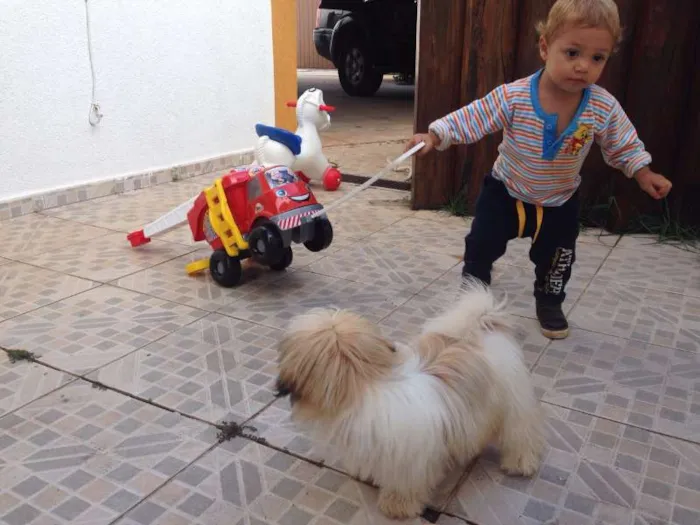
(285, 262)
(356, 73)
(224, 269)
(323, 235)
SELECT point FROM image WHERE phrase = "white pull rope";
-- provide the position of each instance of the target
(369, 182)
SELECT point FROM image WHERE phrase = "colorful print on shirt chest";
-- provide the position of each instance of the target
(575, 143)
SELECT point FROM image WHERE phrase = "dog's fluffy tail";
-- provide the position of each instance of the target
(475, 310)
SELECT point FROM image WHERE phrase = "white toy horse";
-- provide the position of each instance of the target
(312, 118)
(300, 151)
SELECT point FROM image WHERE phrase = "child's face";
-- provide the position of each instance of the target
(576, 56)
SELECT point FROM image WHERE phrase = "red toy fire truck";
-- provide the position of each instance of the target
(252, 211)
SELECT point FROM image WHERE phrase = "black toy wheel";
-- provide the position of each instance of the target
(266, 244)
(225, 270)
(323, 235)
(285, 262)
(356, 73)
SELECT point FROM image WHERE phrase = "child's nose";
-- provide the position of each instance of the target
(581, 66)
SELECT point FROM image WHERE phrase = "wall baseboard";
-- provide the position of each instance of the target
(120, 184)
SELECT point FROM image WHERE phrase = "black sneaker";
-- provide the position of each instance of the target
(553, 323)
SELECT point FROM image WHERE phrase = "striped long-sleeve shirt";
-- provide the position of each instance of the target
(536, 165)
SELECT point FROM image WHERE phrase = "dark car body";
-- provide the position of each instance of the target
(366, 39)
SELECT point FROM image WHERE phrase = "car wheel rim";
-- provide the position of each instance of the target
(220, 268)
(355, 65)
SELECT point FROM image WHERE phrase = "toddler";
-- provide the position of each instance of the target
(549, 121)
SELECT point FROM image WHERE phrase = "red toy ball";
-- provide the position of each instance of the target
(331, 179)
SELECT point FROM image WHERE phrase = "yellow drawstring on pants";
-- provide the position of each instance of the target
(522, 219)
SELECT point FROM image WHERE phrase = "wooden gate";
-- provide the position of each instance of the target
(468, 47)
(307, 57)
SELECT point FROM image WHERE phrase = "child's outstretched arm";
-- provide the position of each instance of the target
(622, 149)
(468, 124)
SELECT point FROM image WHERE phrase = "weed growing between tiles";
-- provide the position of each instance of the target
(228, 430)
(16, 355)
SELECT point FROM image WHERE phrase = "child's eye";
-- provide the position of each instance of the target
(572, 53)
(599, 58)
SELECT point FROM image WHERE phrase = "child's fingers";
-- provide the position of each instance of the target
(411, 142)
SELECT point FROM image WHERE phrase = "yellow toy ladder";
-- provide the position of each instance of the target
(222, 223)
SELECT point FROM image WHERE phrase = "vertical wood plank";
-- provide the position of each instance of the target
(655, 96)
(685, 195)
(438, 87)
(307, 56)
(488, 60)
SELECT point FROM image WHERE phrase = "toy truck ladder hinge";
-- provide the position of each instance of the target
(222, 221)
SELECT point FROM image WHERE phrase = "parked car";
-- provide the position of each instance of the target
(366, 39)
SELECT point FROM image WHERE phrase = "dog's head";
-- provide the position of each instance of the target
(328, 358)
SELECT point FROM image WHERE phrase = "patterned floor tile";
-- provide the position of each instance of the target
(85, 456)
(625, 380)
(421, 235)
(171, 282)
(243, 483)
(357, 220)
(407, 320)
(91, 329)
(35, 234)
(24, 288)
(445, 218)
(217, 368)
(594, 472)
(274, 304)
(657, 270)
(22, 382)
(513, 282)
(4, 261)
(384, 265)
(182, 235)
(131, 210)
(598, 236)
(589, 257)
(107, 258)
(652, 243)
(446, 519)
(636, 312)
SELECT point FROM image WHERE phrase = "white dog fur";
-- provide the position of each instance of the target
(401, 416)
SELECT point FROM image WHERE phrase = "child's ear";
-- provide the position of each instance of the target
(544, 51)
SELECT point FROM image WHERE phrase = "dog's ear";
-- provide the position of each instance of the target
(431, 344)
(330, 358)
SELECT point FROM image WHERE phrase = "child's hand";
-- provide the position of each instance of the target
(652, 183)
(431, 141)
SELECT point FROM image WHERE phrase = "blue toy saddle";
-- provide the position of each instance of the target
(289, 139)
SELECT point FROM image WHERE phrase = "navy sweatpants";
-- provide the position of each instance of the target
(496, 222)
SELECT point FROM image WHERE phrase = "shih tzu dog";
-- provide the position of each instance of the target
(401, 416)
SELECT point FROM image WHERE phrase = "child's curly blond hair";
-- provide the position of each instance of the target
(587, 13)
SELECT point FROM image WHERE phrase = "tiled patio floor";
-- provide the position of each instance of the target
(140, 365)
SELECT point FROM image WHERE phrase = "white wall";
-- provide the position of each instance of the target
(177, 81)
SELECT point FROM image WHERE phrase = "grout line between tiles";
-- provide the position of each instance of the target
(319, 464)
(109, 231)
(101, 386)
(46, 394)
(162, 485)
(99, 285)
(10, 258)
(624, 424)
